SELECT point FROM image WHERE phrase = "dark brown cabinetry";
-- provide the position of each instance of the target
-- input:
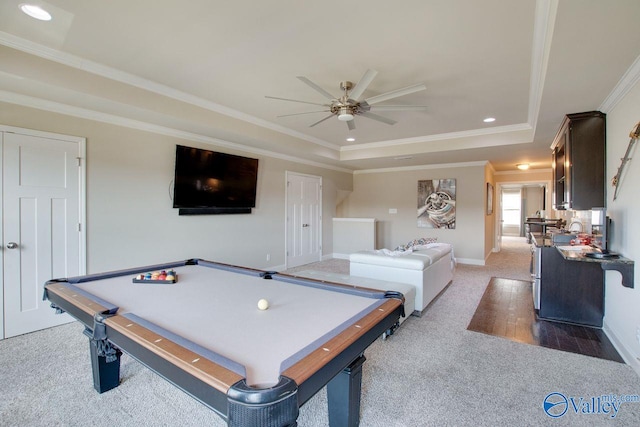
(579, 162)
(571, 291)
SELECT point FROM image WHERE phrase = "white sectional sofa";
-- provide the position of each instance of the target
(428, 268)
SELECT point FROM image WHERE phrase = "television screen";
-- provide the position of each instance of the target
(208, 179)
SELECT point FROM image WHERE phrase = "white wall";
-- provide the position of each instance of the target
(130, 219)
(622, 305)
(376, 192)
(352, 235)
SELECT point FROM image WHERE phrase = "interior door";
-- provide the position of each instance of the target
(304, 219)
(42, 219)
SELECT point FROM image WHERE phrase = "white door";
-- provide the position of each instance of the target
(304, 219)
(42, 207)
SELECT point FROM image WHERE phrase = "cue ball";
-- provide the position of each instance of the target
(263, 304)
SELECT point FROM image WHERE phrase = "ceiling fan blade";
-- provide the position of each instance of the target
(316, 87)
(399, 108)
(351, 124)
(396, 93)
(362, 85)
(378, 118)
(307, 112)
(320, 121)
(295, 100)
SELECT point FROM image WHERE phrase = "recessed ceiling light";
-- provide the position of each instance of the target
(523, 166)
(35, 12)
(351, 139)
(489, 119)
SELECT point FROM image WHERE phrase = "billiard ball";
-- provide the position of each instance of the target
(263, 304)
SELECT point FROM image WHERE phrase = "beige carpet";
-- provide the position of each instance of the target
(432, 372)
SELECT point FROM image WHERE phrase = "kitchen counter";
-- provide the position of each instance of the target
(620, 264)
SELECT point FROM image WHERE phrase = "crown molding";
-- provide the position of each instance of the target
(422, 167)
(59, 108)
(74, 61)
(622, 88)
(439, 137)
(544, 23)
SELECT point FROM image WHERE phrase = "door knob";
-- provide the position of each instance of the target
(12, 245)
(305, 225)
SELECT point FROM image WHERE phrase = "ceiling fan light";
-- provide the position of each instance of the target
(345, 115)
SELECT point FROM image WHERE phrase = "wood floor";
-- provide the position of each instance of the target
(506, 310)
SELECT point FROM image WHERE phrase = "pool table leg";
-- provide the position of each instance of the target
(105, 363)
(343, 394)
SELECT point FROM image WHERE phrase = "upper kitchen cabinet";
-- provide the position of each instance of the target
(579, 162)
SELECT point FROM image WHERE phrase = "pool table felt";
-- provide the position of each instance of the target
(217, 309)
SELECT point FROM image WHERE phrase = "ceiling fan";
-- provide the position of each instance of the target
(349, 105)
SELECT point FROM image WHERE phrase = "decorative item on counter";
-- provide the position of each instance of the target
(581, 239)
(585, 238)
(162, 277)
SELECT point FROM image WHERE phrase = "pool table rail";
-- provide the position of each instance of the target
(335, 286)
(188, 360)
(68, 298)
(305, 368)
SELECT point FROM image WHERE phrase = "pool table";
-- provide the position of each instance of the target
(206, 335)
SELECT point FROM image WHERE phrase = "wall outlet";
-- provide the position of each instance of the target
(393, 211)
(268, 257)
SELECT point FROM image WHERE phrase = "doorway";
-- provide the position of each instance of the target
(43, 222)
(520, 202)
(511, 211)
(304, 219)
(532, 199)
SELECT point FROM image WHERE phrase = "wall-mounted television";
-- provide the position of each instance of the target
(208, 182)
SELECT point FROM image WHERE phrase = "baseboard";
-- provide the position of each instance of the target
(470, 261)
(624, 352)
(338, 256)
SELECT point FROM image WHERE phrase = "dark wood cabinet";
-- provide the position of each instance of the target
(578, 162)
(571, 291)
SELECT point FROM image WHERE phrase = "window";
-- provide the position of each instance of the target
(511, 202)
